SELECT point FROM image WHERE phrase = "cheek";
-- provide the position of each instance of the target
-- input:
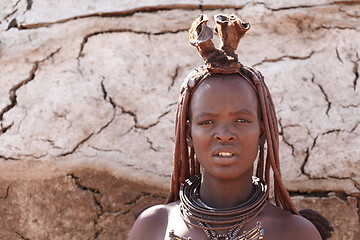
(252, 137)
(253, 148)
(200, 139)
(197, 137)
(255, 133)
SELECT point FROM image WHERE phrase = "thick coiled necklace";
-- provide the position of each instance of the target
(197, 214)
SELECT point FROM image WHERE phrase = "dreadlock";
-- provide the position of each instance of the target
(225, 61)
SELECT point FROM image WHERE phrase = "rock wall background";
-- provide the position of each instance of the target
(88, 94)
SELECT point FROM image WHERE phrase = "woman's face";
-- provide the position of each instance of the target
(224, 126)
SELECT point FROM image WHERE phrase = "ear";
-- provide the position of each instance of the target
(262, 133)
(189, 139)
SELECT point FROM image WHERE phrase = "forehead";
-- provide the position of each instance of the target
(224, 92)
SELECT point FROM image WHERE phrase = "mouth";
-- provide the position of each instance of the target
(224, 154)
(225, 157)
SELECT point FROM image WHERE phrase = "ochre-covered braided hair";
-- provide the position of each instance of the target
(225, 61)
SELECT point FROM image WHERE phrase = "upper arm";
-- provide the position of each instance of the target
(281, 224)
(302, 229)
(151, 224)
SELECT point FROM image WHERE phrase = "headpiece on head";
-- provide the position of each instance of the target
(231, 30)
(224, 60)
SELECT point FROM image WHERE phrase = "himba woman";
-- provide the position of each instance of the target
(225, 121)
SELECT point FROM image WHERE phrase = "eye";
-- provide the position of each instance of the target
(207, 122)
(242, 121)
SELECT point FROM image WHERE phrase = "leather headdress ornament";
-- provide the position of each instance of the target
(230, 29)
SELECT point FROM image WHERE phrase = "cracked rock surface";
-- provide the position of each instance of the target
(88, 96)
(80, 204)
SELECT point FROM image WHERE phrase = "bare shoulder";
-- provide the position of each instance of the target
(285, 225)
(152, 223)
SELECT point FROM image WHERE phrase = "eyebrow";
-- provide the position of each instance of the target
(210, 114)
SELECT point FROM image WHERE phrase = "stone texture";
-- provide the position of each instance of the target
(83, 204)
(51, 209)
(93, 85)
(340, 211)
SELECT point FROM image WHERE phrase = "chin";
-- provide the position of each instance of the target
(230, 174)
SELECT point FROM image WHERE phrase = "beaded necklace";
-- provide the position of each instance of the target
(197, 214)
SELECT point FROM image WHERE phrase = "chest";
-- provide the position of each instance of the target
(179, 230)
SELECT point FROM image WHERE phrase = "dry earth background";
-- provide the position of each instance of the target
(87, 99)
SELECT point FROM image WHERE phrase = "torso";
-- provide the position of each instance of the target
(277, 224)
(182, 229)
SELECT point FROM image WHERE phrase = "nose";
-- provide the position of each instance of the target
(224, 134)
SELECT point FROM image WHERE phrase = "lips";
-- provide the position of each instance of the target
(224, 154)
(224, 151)
(224, 157)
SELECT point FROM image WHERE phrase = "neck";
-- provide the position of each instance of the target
(225, 193)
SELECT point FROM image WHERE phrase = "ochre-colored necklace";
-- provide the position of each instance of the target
(197, 214)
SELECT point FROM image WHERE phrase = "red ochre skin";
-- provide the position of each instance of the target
(223, 118)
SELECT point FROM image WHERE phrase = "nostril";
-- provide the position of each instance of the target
(224, 138)
(224, 133)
